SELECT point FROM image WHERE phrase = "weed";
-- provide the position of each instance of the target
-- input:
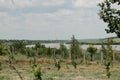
(74, 64)
(36, 70)
(58, 64)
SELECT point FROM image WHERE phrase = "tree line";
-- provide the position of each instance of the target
(40, 50)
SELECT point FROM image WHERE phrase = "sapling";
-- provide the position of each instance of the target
(75, 51)
(92, 50)
(37, 73)
(108, 74)
(11, 63)
(33, 63)
(108, 56)
(58, 64)
(36, 69)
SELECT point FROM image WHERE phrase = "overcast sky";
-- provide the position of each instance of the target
(50, 19)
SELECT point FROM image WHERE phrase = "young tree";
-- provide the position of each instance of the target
(49, 52)
(58, 63)
(18, 45)
(111, 15)
(63, 51)
(92, 50)
(75, 50)
(37, 48)
(108, 57)
(2, 49)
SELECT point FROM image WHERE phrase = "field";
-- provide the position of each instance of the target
(89, 71)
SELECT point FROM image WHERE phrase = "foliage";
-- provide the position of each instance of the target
(108, 56)
(36, 69)
(58, 63)
(18, 45)
(92, 50)
(43, 52)
(37, 45)
(110, 15)
(49, 52)
(30, 52)
(3, 50)
(50, 78)
(74, 64)
(3, 77)
(75, 50)
(63, 51)
(22, 51)
(37, 73)
(117, 56)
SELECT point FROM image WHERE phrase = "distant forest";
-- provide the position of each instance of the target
(116, 41)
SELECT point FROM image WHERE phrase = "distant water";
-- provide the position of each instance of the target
(114, 47)
(57, 45)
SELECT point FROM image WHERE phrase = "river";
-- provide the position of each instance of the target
(57, 45)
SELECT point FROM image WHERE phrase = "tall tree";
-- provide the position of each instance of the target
(110, 14)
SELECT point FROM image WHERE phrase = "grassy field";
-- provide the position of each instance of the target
(90, 71)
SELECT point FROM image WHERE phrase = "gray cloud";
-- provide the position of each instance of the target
(41, 19)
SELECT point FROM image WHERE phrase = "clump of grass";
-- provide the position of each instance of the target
(58, 64)
(74, 64)
(2, 78)
(37, 73)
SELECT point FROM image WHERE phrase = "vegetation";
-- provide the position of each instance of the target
(36, 69)
(76, 52)
(108, 56)
(11, 63)
(43, 59)
(2, 49)
(17, 58)
(92, 50)
(58, 64)
(64, 51)
(110, 15)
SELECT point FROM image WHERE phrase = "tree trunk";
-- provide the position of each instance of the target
(113, 56)
(91, 57)
(101, 57)
(84, 56)
(69, 55)
(54, 53)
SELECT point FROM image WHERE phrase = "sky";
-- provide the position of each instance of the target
(51, 19)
